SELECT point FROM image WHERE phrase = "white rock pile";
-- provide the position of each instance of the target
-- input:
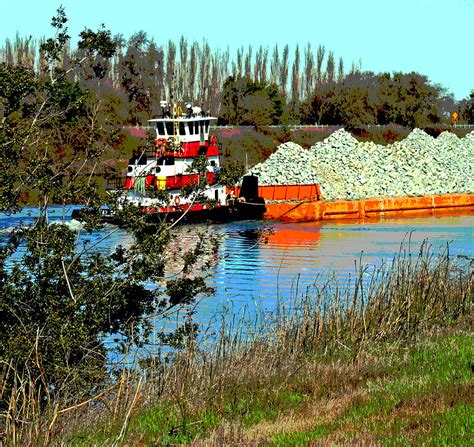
(348, 169)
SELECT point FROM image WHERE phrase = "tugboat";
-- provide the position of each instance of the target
(163, 180)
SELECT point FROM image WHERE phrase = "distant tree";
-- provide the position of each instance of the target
(308, 71)
(322, 107)
(295, 78)
(154, 76)
(466, 109)
(246, 102)
(319, 63)
(356, 100)
(224, 66)
(240, 56)
(183, 70)
(284, 72)
(204, 80)
(133, 78)
(215, 93)
(340, 70)
(414, 101)
(257, 70)
(248, 63)
(330, 68)
(170, 67)
(263, 70)
(275, 67)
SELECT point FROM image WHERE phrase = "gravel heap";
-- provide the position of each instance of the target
(289, 165)
(348, 169)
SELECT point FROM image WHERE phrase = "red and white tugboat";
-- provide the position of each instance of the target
(161, 181)
(168, 167)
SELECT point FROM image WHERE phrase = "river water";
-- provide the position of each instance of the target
(260, 263)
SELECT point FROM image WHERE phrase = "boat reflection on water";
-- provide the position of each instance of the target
(295, 237)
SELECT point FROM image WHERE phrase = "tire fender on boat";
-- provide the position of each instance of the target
(177, 200)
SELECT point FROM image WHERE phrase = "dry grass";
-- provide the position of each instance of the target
(325, 349)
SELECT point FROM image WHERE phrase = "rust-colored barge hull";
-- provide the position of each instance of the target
(314, 210)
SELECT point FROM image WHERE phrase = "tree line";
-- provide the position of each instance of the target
(255, 86)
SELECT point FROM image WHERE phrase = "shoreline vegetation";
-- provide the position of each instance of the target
(387, 360)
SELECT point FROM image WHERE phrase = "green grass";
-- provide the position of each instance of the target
(421, 396)
(435, 374)
(163, 425)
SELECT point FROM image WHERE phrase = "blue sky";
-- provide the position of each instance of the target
(433, 37)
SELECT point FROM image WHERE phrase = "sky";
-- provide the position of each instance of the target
(432, 37)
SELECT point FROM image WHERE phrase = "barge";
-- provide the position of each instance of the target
(305, 203)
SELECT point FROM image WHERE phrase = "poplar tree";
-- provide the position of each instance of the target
(215, 93)
(193, 62)
(248, 63)
(284, 71)
(263, 77)
(308, 71)
(204, 75)
(239, 65)
(275, 67)
(295, 77)
(319, 63)
(330, 68)
(257, 68)
(170, 66)
(340, 71)
(183, 58)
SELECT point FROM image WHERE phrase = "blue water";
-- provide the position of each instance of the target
(256, 271)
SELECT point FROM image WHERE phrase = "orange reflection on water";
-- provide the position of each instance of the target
(295, 236)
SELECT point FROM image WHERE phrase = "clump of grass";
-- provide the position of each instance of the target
(348, 349)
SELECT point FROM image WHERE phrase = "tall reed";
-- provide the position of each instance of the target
(396, 301)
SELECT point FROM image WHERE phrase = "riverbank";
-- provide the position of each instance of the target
(388, 360)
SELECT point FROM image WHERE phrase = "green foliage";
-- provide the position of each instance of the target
(406, 99)
(59, 299)
(467, 109)
(53, 47)
(230, 173)
(247, 102)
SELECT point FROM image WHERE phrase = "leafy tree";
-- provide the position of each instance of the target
(134, 79)
(284, 72)
(247, 102)
(230, 173)
(295, 78)
(322, 107)
(415, 101)
(319, 63)
(467, 109)
(59, 298)
(330, 68)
